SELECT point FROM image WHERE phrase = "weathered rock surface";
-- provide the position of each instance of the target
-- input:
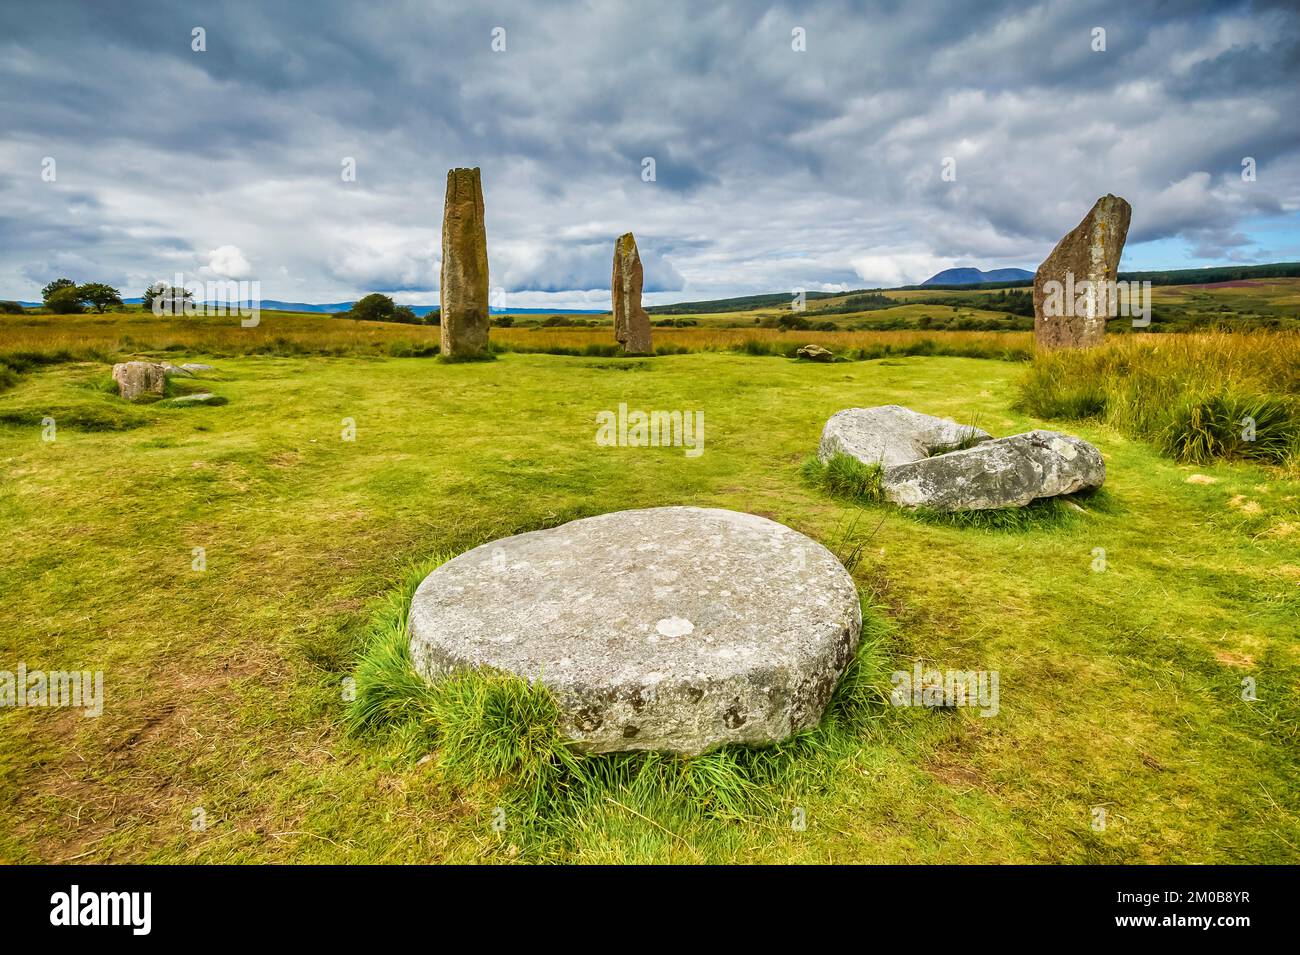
(631, 322)
(139, 379)
(195, 368)
(891, 435)
(1089, 253)
(463, 295)
(176, 371)
(1005, 472)
(674, 628)
(816, 353)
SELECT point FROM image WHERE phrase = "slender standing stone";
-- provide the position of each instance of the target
(631, 323)
(1067, 313)
(463, 295)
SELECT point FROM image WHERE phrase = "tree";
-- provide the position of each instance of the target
(100, 296)
(171, 301)
(373, 308)
(406, 316)
(11, 308)
(65, 300)
(55, 286)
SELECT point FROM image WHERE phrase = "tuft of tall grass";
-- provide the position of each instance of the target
(1195, 396)
(844, 476)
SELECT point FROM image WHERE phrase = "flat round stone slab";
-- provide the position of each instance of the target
(673, 628)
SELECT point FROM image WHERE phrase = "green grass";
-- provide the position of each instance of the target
(225, 688)
(844, 476)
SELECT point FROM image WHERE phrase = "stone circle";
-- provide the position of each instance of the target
(675, 629)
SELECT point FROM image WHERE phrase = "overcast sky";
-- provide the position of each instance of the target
(775, 168)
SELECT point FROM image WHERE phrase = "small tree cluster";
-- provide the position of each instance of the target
(65, 297)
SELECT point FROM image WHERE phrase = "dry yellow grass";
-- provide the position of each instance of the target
(124, 334)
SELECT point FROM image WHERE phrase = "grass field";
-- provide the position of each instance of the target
(1122, 633)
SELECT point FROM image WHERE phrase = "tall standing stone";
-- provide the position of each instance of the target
(463, 295)
(1067, 313)
(631, 323)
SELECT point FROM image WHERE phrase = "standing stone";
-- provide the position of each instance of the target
(1067, 313)
(631, 323)
(463, 295)
(139, 379)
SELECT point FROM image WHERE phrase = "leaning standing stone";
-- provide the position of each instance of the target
(463, 295)
(1067, 312)
(631, 323)
(139, 379)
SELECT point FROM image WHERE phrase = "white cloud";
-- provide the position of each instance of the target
(227, 262)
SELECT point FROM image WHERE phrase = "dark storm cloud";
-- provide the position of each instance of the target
(774, 169)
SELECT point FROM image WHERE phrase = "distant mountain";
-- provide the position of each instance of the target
(975, 276)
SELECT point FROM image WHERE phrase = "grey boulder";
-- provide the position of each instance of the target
(139, 379)
(675, 629)
(1006, 472)
(891, 435)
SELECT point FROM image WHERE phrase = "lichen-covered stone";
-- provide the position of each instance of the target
(1089, 253)
(463, 291)
(139, 379)
(631, 322)
(891, 434)
(675, 629)
(1005, 472)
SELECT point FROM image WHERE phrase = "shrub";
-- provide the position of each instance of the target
(11, 308)
(65, 301)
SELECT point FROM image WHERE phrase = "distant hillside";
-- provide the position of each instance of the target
(333, 308)
(975, 276)
(741, 304)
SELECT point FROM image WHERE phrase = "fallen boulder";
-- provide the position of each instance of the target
(1005, 472)
(676, 629)
(890, 435)
(816, 353)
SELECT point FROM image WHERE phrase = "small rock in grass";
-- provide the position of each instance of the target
(816, 353)
(139, 379)
(1202, 479)
(199, 398)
